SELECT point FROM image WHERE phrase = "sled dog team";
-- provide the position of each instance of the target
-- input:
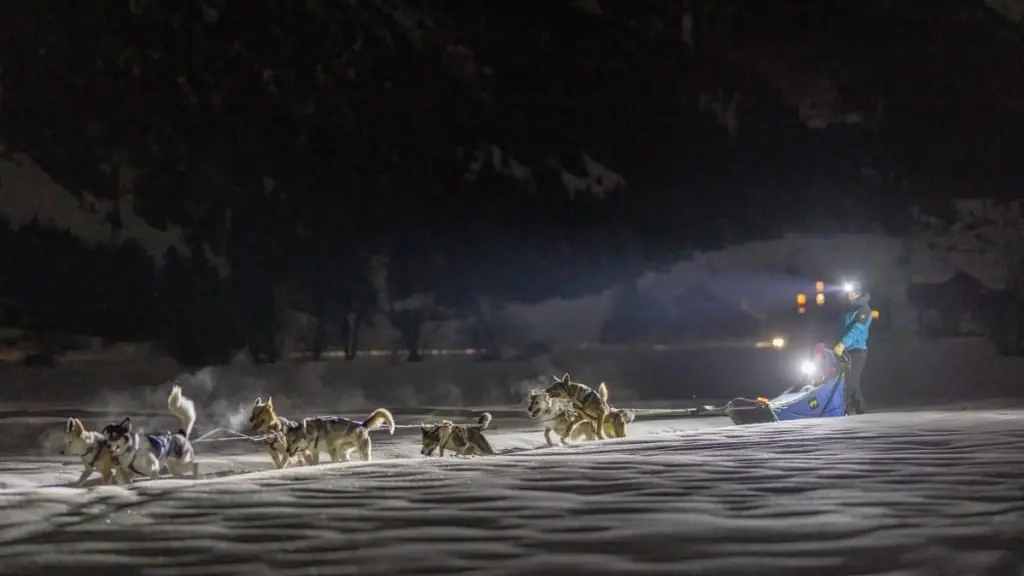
(118, 452)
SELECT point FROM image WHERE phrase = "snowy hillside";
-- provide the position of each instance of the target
(27, 192)
(771, 272)
(740, 273)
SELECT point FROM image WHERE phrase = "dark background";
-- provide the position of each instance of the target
(366, 117)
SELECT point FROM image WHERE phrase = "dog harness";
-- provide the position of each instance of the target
(161, 444)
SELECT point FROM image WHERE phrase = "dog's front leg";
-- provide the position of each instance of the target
(275, 456)
(152, 467)
(547, 436)
(122, 475)
(85, 475)
(314, 457)
(286, 459)
(600, 426)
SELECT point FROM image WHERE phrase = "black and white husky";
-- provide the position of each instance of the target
(143, 454)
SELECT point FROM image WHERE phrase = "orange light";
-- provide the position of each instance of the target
(762, 400)
(801, 310)
(820, 299)
(819, 286)
(874, 314)
(801, 299)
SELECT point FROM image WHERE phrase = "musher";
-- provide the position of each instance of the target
(857, 325)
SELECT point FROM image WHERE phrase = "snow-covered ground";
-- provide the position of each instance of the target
(891, 493)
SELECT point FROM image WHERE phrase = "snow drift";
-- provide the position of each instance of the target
(928, 493)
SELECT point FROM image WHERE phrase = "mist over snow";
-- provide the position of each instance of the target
(770, 270)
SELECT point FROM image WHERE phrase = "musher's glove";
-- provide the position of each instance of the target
(839, 349)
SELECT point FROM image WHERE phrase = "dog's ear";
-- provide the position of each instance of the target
(270, 402)
(69, 426)
(258, 401)
(126, 423)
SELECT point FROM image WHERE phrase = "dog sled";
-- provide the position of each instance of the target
(819, 394)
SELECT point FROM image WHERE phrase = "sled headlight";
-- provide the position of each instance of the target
(807, 368)
(778, 342)
(848, 287)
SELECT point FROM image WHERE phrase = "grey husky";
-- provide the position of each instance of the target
(335, 435)
(464, 439)
(143, 454)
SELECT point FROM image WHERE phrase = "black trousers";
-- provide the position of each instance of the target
(855, 403)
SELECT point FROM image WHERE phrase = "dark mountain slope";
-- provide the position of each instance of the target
(470, 141)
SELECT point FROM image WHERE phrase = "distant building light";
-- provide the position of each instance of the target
(819, 286)
(801, 299)
(874, 314)
(820, 299)
(801, 310)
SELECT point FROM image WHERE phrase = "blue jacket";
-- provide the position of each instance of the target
(856, 326)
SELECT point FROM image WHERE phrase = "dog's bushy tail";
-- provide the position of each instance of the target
(183, 408)
(484, 421)
(602, 391)
(378, 417)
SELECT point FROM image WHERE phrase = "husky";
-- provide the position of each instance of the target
(591, 404)
(338, 436)
(264, 420)
(464, 439)
(91, 447)
(560, 417)
(142, 454)
(335, 435)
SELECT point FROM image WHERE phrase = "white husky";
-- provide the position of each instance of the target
(143, 454)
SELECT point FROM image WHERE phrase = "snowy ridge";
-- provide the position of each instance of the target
(923, 493)
(749, 271)
(887, 264)
(597, 179)
(27, 192)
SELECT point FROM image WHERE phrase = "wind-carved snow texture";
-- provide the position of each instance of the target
(924, 493)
